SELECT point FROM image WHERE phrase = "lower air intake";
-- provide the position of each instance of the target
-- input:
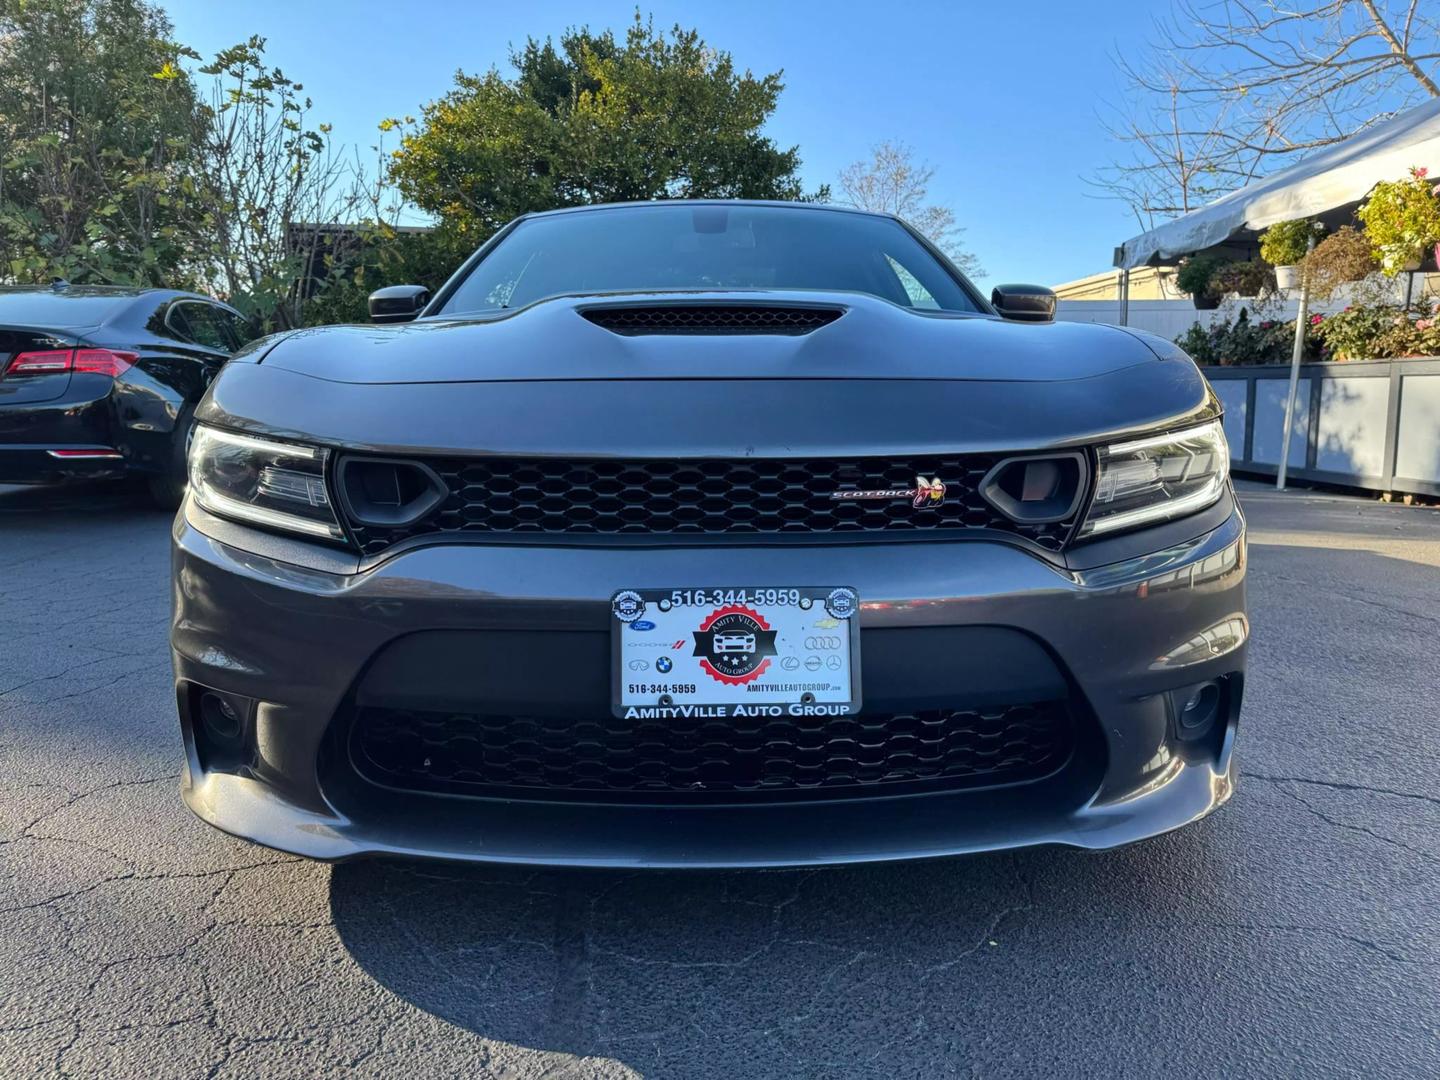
(606, 759)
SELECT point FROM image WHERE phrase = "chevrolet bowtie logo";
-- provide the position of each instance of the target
(924, 493)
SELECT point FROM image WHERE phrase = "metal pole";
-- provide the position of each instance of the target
(1125, 296)
(1299, 351)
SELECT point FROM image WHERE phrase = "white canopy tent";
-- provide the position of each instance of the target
(1327, 180)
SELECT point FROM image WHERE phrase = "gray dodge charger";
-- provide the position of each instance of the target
(707, 534)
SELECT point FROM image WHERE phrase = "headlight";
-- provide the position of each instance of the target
(1155, 479)
(281, 485)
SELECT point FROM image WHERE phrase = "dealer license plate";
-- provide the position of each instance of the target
(722, 652)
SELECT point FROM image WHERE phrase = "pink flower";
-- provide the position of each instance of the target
(1420, 173)
(1316, 320)
(1424, 324)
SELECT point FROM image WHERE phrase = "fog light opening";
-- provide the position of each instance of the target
(1200, 710)
(221, 727)
(222, 720)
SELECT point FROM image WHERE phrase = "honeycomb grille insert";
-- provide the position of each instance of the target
(706, 760)
(504, 497)
(712, 319)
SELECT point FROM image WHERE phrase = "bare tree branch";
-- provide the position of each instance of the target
(1229, 90)
(893, 183)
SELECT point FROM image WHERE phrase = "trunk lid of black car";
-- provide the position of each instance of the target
(32, 387)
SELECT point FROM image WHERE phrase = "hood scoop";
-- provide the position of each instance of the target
(712, 319)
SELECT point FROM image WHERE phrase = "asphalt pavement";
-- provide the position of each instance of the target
(1296, 932)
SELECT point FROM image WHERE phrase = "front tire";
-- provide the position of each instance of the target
(167, 489)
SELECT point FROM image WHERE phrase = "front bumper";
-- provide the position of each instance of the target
(1128, 640)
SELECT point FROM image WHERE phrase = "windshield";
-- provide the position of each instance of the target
(688, 246)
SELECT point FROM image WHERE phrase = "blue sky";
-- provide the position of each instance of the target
(1005, 100)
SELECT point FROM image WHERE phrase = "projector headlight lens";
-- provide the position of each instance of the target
(1158, 478)
(262, 482)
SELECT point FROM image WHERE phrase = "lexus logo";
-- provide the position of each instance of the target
(926, 492)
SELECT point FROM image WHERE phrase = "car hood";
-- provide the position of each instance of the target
(546, 381)
(872, 339)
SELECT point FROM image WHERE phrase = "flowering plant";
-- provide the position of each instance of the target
(1380, 332)
(1402, 219)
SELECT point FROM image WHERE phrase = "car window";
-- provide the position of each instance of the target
(707, 246)
(201, 324)
(915, 293)
(237, 328)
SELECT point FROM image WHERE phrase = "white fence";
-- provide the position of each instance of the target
(1171, 318)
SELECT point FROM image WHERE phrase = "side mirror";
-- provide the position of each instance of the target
(1024, 303)
(398, 303)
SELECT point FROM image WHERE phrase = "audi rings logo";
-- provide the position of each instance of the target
(821, 642)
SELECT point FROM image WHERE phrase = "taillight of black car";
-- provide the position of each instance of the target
(53, 361)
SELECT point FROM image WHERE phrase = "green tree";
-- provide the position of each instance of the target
(96, 134)
(595, 119)
(272, 183)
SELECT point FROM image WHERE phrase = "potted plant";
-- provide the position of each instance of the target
(1342, 257)
(1283, 246)
(1243, 278)
(1402, 220)
(1195, 277)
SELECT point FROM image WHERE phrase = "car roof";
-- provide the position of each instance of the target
(786, 204)
(86, 316)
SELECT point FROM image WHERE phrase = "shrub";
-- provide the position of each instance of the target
(1244, 278)
(1402, 219)
(1343, 256)
(1380, 332)
(1195, 274)
(1245, 341)
(1285, 243)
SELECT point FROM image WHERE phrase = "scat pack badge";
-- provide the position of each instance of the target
(734, 645)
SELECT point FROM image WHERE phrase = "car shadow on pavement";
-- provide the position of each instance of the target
(722, 974)
(62, 503)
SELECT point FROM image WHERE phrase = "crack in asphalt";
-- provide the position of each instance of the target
(1337, 785)
(1390, 841)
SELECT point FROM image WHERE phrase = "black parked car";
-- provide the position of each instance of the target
(708, 534)
(100, 381)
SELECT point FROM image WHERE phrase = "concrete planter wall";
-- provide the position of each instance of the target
(1371, 425)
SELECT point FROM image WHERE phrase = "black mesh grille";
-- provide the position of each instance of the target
(712, 319)
(679, 760)
(501, 497)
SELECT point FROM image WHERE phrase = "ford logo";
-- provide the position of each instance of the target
(642, 624)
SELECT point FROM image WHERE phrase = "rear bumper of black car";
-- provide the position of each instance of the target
(72, 436)
(453, 702)
(95, 427)
(56, 464)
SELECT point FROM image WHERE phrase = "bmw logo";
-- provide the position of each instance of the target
(664, 664)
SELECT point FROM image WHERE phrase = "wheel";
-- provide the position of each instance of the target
(167, 489)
